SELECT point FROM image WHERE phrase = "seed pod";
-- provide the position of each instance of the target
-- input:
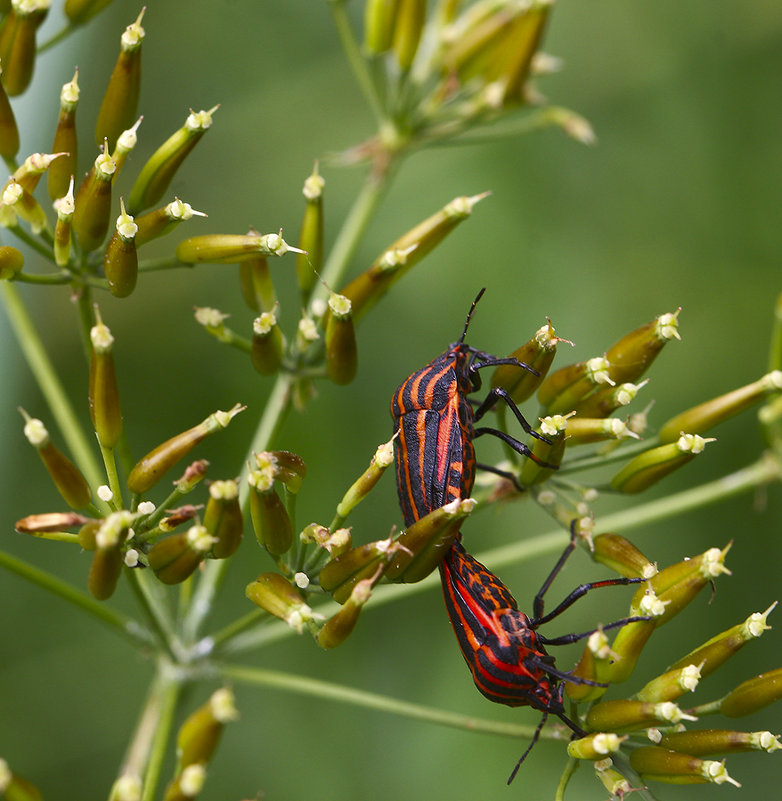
(650, 466)
(381, 461)
(105, 410)
(32, 168)
(310, 262)
(408, 27)
(616, 784)
(342, 573)
(276, 595)
(586, 430)
(518, 49)
(49, 521)
(127, 787)
(339, 626)
(186, 785)
(753, 694)
(70, 483)
(564, 389)
(62, 231)
(61, 172)
(16, 788)
(631, 356)
(713, 742)
(11, 262)
(423, 544)
(93, 204)
(555, 429)
(17, 43)
(79, 11)
(88, 534)
(17, 200)
(708, 414)
(200, 733)
(618, 553)
(662, 765)
(223, 518)
(156, 174)
(608, 399)
(150, 469)
(120, 101)
(365, 290)
(719, 649)
(107, 562)
(126, 141)
(120, 262)
(177, 557)
(256, 283)
(539, 353)
(270, 519)
(9, 131)
(162, 221)
(593, 666)
(231, 248)
(627, 715)
(284, 466)
(268, 343)
(379, 24)
(631, 639)
(595, 746)
(670, 685)
(341, 351)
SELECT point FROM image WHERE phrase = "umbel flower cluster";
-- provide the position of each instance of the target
(429, 74)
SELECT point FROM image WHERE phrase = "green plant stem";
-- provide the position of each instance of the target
(32, 242)
(48, 278)
(38, 360)
(383, 703)
(571, 767)
(163, 263)
(110, 463)
(149, 597)
(126, 626)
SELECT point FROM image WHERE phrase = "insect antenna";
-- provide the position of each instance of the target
(469, 316)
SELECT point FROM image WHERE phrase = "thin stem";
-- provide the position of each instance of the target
(383, 703)
(48, 278)
(153, 609)
(163, 263)
(567, 774)
(38, 360)
(110, 463)
(236, 627)
(56, 38)
(126, 626)
(31, 242)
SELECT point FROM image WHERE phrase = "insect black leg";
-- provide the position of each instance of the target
(566, 639)
(488, 468)
(538, 603)
(529, 747)
(517, 446)
(491, 399)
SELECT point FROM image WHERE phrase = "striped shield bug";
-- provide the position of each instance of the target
(502, 646)
(433, 418)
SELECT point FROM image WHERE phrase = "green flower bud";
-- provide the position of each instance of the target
(177, 557)
(223, 518)
(335, 544)
(753, 694)
(631, 356)
(127, 787)
(17, 43)
(16, 788)
(107, 561)
(156, 174)
(187, 785)
(199, 734)
(630, 715)
(671, 685)
(381, 461)
(423, 545)
(79, 11)
(310, 262)
(555, 429)
(70, 483)
(539, 353)
(585, 430)
(150, 469)
(661, 765)
(270, 519)
(120, 262)
(595, 746)
(564, 389)
(379, 24)
(339, 626)
(365, 290)
(306, 333)
(616, 784)
(341, 351)
(88, 534)
(342, 573)
(61, 172)
(608, 399)
(126, 141)
(408, 27)
(93, 204)
(268, 343)
(631, 639)
(650, 466)
(713, 742)
(120, 101)
(706, 415)
(256, 283)
(33, 167)
(594, 665)
(62, 231)
(276, 595)
(105, 410)
(162, 221)
(9, 130)
(231, 248)
(284, 466)
(618, 553)
(18, 201)
(11, 262)
(719, 649)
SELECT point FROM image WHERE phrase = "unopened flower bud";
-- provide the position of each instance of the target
(177, 557)
(231, 248)
(120, 262)
(650, 466)
(631, 356)
(618, 553)
(310, 262)
(628, 715)
(285, 466)
(199, 734)
(93, 204)
(713, 742)
(223, 518)
(379, 24)
(381, 461)
(268, 343)
(593, 666)
(17, 43)
(671, 685)
(342, 573)
(595, 746)
(408, 27)
(156, 174)
(565, 388)
(270, 519)
(186, 785)
(70, 483)
(662, 765)
(11, 262)
(546, 455)
(105, 410)
(339, 626)
(341, 351)
(276, 595)
(753, 694)
(118, 109)
(161, 221)
(150, 469)
(62, 170)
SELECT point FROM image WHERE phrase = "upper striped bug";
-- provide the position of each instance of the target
(433, 417)
(502, 646)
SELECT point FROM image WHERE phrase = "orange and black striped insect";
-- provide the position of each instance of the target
(502, 646)
(433, 416)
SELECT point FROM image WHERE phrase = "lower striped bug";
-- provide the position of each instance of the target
(502, 646)
(433, 416)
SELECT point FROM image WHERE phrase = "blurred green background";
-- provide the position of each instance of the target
(677, 205)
